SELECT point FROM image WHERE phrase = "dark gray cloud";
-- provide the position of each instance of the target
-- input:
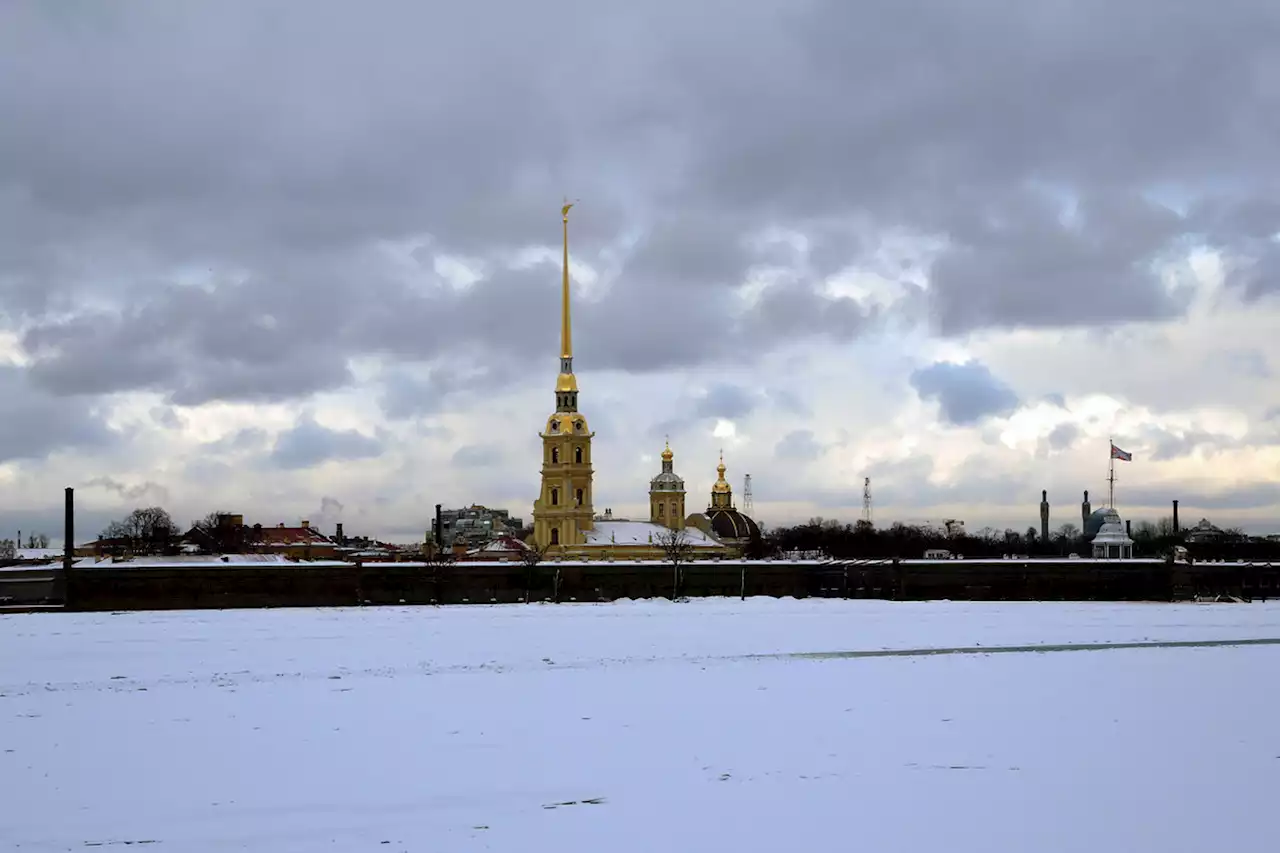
(310, 443)
(966, 393)
(910, 483)
(33, 425)
(1163, 445)
(798, 445)
(1063, 436)
(1018, 263)
(166, 417)
(1034, 140)
(1194, 497)
(241, 441)
(726, 401)
(477, 456)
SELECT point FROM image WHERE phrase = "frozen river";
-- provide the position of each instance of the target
(705, 725)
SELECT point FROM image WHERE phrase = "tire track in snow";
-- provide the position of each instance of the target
(232, 680)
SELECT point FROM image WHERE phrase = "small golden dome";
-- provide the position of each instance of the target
(721, 485)
(667, 455)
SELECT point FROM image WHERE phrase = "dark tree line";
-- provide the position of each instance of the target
(908, 541)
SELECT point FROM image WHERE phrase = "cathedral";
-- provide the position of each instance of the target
(565, 524)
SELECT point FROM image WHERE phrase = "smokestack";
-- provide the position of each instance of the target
(1128, 528)
(338, 535)
(1175, 518)
(68, 545)
(439, 529)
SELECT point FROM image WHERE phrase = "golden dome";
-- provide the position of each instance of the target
(567, 423)
(667, 455)
(722, 485)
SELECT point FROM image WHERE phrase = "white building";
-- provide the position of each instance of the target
(1111, 542)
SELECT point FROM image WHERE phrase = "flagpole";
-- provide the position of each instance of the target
(1111, 474)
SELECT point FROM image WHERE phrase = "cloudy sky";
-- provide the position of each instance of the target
(300, 260)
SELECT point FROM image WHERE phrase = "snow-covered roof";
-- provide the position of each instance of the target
(40, 553)
(502, 544)
(1112, 530)
(193, 561)
(642, 533)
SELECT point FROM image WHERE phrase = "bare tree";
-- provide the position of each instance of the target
(148, 530)
(676, 549)
(1067, 533)
(38, 540)
(7, 550)
(1164, 527)
(532, 555)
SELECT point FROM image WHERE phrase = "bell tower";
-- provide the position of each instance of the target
(562, 511)
(666, 495)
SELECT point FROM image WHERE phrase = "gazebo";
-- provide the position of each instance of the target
(1111, 542)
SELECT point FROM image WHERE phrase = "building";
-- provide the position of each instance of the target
(231, 535)
(1111, 542)
(475, 525)
(666, 494)
(565, 524)
(1206, 531)
(722, 519)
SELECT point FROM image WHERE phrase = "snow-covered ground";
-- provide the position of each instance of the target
(642, 726)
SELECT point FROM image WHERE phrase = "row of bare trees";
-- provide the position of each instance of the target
(863, 541)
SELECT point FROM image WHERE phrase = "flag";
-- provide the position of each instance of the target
(1122, 455)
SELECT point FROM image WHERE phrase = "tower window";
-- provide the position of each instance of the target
(555, 497)
(577, 455)
(661, 509)
(555, 536)
(579, 497)
(555, 454)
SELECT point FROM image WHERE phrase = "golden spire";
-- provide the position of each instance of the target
(566, 332)
(566, 383)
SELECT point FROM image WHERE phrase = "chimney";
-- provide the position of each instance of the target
(1128, 528)
(68, 545)
(439, 528)
(1175, 518)
(305, 524)
(338, 535)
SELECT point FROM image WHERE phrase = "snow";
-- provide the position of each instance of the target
(639, 726)
(33, 554)
(642, 533)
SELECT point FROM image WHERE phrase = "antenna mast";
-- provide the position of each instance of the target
(866, 499)
(748, 504)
